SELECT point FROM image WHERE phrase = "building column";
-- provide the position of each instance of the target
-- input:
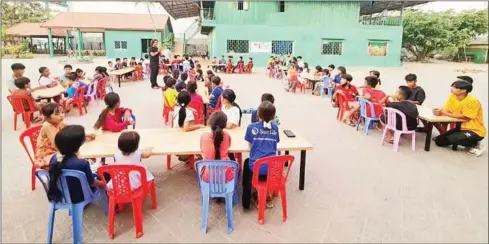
(67, 40)
(50, 43)
(80, 43)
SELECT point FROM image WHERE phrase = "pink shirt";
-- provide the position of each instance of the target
(196, 98)
(209, 153)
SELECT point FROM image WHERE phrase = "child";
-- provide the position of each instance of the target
(461, 105)
(249, 66)
(231, 109)
(182, 82)
(124, 62)
(17, 72)
(67, 71)
(113, 118)
(303, 75)
(132, 62)
(192, 88)
(254, 112)
(23, 85)
(215, 144)
(293, 78)
(406, 107)
(199, 76)
(323, 77)
(111, 66)
(263, 138)
(377, 97)
(170, 94)
(349, 93)
(216, 91)
(68, 142)
(80, 75)
(118, 64)
(139, 71)
(417, 93)
(53, 123)
(208, 80)
(130, 154)
(214, 64)
(376, 74)
(183, 116)
(186, 64)
(146, 66)
(44, 80)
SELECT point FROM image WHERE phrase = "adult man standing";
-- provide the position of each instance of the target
(154, 61)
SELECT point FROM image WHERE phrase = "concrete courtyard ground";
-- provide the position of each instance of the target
(355, 191)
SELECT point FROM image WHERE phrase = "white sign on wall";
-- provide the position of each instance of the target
(261, 47)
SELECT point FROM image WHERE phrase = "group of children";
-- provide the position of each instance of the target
(70, 80)
(228, 66)
(140, 68)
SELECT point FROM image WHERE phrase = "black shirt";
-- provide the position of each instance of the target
(409, 109)
(180, 85)
(153, 59)
(417, 95)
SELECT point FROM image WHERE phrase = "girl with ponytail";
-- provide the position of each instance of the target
(68, 141)
(215, 144)
(231, 109)
(113, 118)
(183, 116)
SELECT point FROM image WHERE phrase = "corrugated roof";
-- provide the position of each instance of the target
(181, 8)
(107, 21)
(373, 7)
(32, 29)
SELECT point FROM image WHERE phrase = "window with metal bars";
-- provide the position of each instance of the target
(282, 47)
(332, 47)
(120, 45)
(377, 48)
(281, 6)
(240, 5)
(238, 46)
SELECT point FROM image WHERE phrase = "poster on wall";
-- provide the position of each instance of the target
(261, 47)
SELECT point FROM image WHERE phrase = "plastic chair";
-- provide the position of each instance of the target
(92, 91)
(364, 106)
(392, 116)
(342, 106)
(79, 100)
(218, 107)
(249, 68)
(324, 84)
(275, 182)
(32, 134)
(166, 110)
(229, 68)
(18, 102)
(133, 119)
(217, 187)
(75, 209)
(101, 86)
(199, 108)
(121, 193)
(240, 68)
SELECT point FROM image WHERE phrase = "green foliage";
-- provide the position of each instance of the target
(427, 33)
(17, 51)
(168, 41)
(19, 12)
(4, 33)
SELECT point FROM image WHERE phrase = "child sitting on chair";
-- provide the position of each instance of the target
(23, 85)
(349, 93)
(113, 118)
(216, 91)
(130, 154)
(254, 112)
(139, 71)
(263, 137)
(406, 107)
(184, 116)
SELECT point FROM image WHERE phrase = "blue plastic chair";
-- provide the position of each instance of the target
(364, 105)
(324, 82)
(133, 118)
(217, 187)
(75, 210)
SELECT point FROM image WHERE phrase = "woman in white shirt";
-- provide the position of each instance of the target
(130, 154)
(44, 79)
(231, 109)
(183, 116)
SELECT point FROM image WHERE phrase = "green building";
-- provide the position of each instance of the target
(121, 35)
(322, 32)
(476, 51)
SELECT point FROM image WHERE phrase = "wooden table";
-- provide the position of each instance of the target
(312, 79)
(204, 93)
(426, 114)
(173, 141)
(48, 93)
(119, 72)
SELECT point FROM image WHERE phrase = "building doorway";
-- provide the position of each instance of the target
(145, 44)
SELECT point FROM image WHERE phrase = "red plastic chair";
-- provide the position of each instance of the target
(101, 86)
(218, 107)
(18, 102)
(199, 112)
(249, 68)
(32, 134)
(229, 68)
(275, 182)
(166, 110)
(240, 68)
(342, 106)
(122, 193)
(79, 100)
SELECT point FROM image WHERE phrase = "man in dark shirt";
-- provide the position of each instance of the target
(417, 93)
(406, 107)
(154, 63)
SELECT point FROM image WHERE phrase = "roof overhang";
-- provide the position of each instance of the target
(182, 8)
(373, 7)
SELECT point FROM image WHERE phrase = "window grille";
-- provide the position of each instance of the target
(120, 45)
(332, 47)
(240, 5)
(282, 47)
(281, 6)
(238, 46)
(377, 48)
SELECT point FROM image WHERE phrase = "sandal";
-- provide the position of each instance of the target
(390, 141)
(349, 122)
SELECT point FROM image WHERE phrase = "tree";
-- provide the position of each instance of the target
(427, 33)
(19, 12)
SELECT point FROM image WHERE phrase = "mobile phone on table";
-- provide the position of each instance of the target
(289, 133)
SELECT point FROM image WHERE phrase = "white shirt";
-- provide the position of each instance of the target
(189, 116)
(132, 159)
(166, 53)
(301, 64)
(303, 75)
(44, 81)
(11, 84)
(232, 114)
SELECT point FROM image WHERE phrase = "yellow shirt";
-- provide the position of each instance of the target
(471, 108)
(269, 62)
(170, 97)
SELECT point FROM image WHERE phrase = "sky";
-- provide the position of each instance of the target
(179, 26)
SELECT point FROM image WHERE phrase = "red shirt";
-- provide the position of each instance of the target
(375, 97)
(350, 93)
(113, 122)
